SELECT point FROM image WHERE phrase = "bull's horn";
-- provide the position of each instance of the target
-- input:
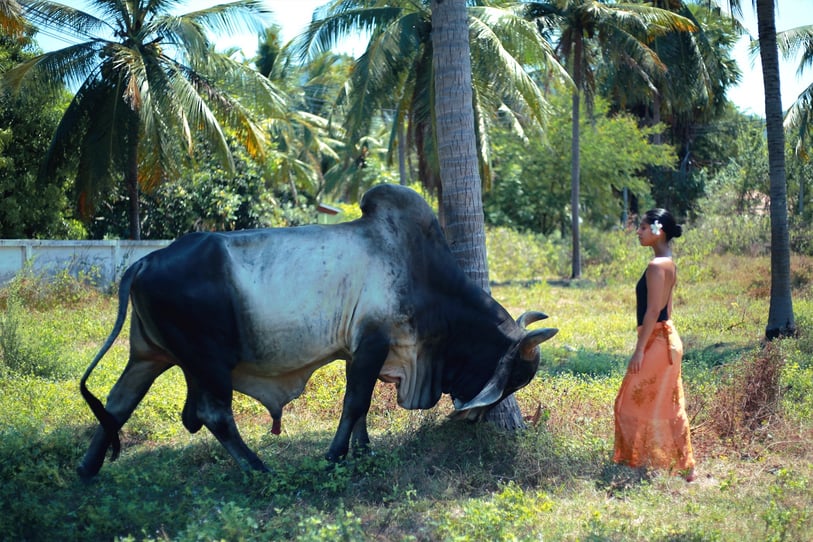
(492, 391)
(489, 395)
(533, 339)
(529, 317)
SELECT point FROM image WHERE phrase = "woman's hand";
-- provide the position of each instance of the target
(635, 362)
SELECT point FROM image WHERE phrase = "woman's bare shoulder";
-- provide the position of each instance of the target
(662, 264)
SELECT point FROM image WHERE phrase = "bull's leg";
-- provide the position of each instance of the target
(362, 374)
(215, 411)
(361, 439)
(128, 391)
(189, 416)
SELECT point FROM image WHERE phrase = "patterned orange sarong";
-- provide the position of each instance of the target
(651, 426)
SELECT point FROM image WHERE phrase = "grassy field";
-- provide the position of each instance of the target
(430, 478)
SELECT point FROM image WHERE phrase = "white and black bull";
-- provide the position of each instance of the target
(259, 311)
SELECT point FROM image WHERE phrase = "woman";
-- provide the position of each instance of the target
(651, 427)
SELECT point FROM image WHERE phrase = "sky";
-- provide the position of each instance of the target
(294, 15)
(749, 95)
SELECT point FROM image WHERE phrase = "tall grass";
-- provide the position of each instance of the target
(431, 478)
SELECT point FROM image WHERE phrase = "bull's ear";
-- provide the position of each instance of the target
(533, 339)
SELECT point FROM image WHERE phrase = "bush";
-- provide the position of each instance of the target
(34, 346)
(41, 291)
(748, 400)
(523, 257)
(27, 352)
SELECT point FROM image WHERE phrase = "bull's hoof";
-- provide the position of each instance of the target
(86, 474)
(333, 457)
(362, 450)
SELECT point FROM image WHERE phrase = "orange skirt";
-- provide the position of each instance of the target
(651, 426)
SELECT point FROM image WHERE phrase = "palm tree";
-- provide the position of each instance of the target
(781, 321)
(395, 77)
(11, 18)
(688, 94)
(305, 141)
(798, 121)
(462, 199)
(150, 86)
(585, 27)
(457, 149)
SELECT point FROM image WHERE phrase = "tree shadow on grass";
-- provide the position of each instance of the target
(161, 489)
(437, 455)
(617, 479)
(713, 355)
(586, 362)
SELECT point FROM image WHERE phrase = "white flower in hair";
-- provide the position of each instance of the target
(656, 228)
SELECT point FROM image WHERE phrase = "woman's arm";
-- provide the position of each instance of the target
(656, 290)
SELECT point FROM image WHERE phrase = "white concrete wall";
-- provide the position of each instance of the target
(103, 260)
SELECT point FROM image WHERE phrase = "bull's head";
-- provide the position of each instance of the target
(514, 371)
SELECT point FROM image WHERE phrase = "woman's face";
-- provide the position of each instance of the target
(646, 237)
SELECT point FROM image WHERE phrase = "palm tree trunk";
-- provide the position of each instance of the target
(575, 163)
(457, 151)
(780, 313)
(462, 200)
(131, 178)
(402, 167)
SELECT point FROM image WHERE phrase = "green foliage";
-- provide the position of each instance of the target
(30, 206)
(345, 528)
(531, 189)
(39, 352)
(523, 257)
(211, 199)
(507, 513)
(24, 353)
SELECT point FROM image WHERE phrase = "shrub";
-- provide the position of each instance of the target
(25, 352)
(39, 290)
(748, 399)
(525, 257)
(507, 514)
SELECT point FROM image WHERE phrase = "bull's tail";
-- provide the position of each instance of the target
(107, 420)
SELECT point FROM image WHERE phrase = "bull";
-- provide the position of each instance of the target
(259, 311)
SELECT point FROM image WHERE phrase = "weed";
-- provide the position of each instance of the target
(522, 258)
(345, 528)
(509, 514)
(42, 291)
(24, 353)
(785, 516)
(748, 399)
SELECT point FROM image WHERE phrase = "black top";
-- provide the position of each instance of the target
(640, 298)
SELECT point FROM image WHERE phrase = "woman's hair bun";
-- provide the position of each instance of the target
(666, 220)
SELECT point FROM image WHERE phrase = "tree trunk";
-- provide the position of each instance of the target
(575, 163)
(402, 152)
(462, 201)
(131, 178)
(780, 314)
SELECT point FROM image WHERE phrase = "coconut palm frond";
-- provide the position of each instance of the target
(232, 18)
(797, 40)
(66, 19)
(512, 55)
(12, 21)
(71, 65)
(799, 119)
(334, 21)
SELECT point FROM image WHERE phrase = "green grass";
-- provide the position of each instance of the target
(429, 478)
